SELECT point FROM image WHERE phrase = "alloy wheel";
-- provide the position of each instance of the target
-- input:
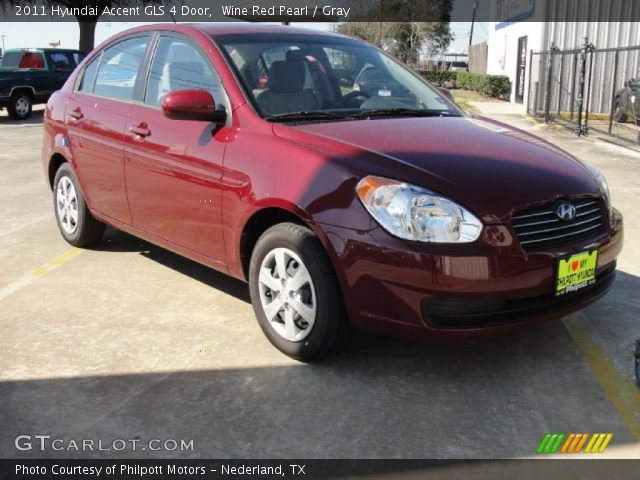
(67, 205)
(287, 294)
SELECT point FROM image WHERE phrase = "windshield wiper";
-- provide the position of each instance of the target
(399, 112)
(305, 115)
(311, 115)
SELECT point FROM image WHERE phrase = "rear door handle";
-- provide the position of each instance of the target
(76, 113)
(140, 130)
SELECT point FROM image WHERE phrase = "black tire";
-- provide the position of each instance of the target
(88, 230)
(618, 112)
(15, 107)
(331, 327)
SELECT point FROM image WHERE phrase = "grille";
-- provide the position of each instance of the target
(540, 227)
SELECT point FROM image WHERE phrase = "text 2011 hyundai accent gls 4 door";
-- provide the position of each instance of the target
(385, 209)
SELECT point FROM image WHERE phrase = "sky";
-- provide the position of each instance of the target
(38, 34)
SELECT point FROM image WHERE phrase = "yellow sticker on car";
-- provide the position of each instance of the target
(576, 272)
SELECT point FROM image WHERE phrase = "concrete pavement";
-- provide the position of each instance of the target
(129, 341)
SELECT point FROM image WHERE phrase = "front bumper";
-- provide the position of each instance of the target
(405, 288)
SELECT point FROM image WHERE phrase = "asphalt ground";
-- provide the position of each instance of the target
(129, 341)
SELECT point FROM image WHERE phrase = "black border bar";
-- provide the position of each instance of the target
(533, 469)
(504, 12)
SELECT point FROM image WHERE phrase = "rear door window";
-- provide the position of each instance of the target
(89, 76)
(119, 68)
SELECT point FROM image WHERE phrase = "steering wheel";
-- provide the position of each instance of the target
(346, 100)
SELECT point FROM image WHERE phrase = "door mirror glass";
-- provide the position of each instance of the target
(192, 104)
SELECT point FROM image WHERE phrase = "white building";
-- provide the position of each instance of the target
(511, 40)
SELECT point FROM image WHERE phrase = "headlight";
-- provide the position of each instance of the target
(604, 188)
(602, 183)
(414, 213)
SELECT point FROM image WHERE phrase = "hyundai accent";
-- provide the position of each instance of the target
(387, 209)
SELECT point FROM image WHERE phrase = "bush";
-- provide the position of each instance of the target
(438, 77)
(497, 86)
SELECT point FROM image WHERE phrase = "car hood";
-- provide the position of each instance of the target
(488, 167)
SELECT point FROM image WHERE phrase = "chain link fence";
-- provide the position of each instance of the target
(587, 89)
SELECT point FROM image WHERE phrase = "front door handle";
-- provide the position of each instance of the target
(76, 113)
(140, 130)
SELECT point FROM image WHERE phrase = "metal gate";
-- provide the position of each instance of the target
(587, 89)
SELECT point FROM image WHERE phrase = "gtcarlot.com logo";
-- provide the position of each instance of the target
(574, 442)
(44, 443)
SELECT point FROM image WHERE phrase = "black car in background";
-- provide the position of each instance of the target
(29, 76)
(376, 82)
(627, 102)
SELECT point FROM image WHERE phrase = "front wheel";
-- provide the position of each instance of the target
(76, 224)
(295, 294)
(20, 106)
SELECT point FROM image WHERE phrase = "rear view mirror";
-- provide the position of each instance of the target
(192, 105)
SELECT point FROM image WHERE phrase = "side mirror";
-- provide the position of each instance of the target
(447, 93)
(192, 105)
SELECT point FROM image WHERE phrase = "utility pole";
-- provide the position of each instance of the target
(473, 21)
(3, 43)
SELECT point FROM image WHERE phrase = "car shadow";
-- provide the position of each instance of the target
(618, 304)
(118, 241)
(36, 118)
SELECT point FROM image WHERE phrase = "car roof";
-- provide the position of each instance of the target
(249, 28)
(232, 28)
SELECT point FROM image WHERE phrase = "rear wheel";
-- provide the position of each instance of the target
(20, 106)
(75, 222)
(295, 294)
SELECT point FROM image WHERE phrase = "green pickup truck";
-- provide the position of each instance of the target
(30, 76)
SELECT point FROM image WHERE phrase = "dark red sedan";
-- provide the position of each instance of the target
(388, 209)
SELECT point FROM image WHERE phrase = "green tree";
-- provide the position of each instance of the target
(404, 40)
(404, 28)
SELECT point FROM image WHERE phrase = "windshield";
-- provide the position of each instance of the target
(289, 76)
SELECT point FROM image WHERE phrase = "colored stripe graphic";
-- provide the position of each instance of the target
(598, 442)
(574, 443)
(543, 443)
(557, 443)
(550, 443)
(581, 442)
(578, 442)
(565, 447)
